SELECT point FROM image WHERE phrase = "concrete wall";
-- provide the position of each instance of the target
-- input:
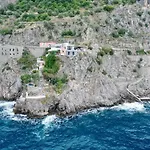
(36, 51)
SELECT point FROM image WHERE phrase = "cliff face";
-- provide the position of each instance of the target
(125, 26)
(94, 85)
(10, 83)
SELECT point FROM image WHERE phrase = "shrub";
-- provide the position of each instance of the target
(130, 34)
(107, 50)
(108, 8)
(26, 78)
(51, 66)
(122, 32)
(101, 53)
(104, 72)
(129, 52)
(115, 34)
(27, 61)
(146, 25)
(49, 25)
(140, 52)
(6, 31)
(98, 10)
(68, 33)
(139, 13)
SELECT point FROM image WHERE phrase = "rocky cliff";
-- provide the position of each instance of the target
(92, 84)
(125, 26)
(93, 80)
(10, 82)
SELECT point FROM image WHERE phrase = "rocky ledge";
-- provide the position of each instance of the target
(93, 82)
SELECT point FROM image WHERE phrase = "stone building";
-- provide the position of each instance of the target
(9, 51)
(13, 51)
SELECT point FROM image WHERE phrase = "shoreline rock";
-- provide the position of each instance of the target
(92, 88)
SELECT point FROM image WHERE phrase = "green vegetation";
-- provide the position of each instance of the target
(27, 61)
(115, 34)
(129, 52)
(139, 13)
(52, 65)
(5, 31)
(39, 10)
(26, 78)
(59, 83)
(33, 77)
(105, 51)
(120, 33)
(140, 52)
(68, 33)
(109, 8)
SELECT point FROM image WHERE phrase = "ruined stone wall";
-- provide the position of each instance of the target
(13, 51)
(10, 51)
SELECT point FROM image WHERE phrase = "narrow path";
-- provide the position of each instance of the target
(135, 96)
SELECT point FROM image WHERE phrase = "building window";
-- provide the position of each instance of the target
(73, 53)
(69, 48)
(17, 49)
(13, 50)
(13, 53)
(10, 50)
(10, 53)
(68, 53)
(2, 53)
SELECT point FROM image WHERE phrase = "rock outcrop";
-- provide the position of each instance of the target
(93, 85)
(10, 82)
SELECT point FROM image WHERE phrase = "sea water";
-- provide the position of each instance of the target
(123, 127)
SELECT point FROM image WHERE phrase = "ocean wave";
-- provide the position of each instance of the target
(131, 107)
(7, 112)
(48, 120)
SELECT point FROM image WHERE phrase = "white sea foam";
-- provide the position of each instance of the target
(7, 108)
(48, 120)
(136, 106)
(7, 111)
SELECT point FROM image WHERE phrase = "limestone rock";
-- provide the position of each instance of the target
(10, 82)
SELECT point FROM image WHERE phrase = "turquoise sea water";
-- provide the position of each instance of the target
(125, 127)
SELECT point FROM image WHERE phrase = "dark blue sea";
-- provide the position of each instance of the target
(124, 127)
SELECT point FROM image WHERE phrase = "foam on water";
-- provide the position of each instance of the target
(48, 120)
(132, 107)
(7, 111)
